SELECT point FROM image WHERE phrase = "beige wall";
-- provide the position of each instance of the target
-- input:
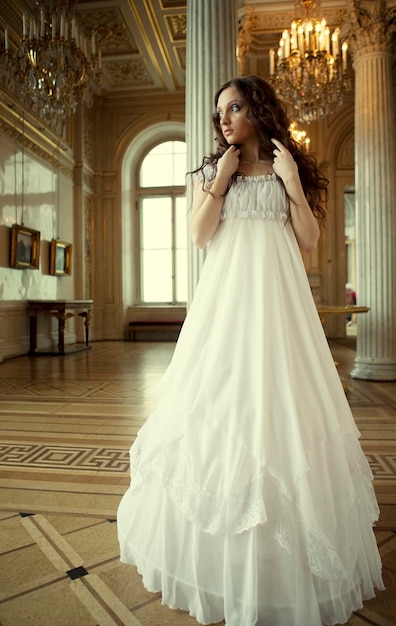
(31, 199)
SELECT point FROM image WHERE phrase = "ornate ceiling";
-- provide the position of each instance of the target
(143, 42)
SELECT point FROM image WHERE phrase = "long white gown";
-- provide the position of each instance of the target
(250, 497)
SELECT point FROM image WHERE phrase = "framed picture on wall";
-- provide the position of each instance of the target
(25, 247)
(60, 257)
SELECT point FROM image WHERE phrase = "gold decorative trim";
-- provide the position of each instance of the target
(34, 138)
(177, 27)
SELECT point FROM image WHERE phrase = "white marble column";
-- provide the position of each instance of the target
(375, 183)
(211, 61)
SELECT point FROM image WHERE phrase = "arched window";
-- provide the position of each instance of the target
(162, 224)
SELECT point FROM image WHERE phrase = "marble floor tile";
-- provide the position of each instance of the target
(66, 426)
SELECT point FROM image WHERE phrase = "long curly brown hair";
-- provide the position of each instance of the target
(268, 114)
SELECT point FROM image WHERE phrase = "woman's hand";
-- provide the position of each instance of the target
(284, 165)
(207, 203)
(228, 163)
(304, 222)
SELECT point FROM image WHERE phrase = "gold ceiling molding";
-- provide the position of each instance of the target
(173, 4)
(181, 55)
(110, 28)
(263, 22)
(155, 45)
(275, 22)
(50, 159)
(177, 27)
(36, 139)
(135, 72)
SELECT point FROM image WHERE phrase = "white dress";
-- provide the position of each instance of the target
(250, 498)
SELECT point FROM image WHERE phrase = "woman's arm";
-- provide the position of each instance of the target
(305, 224)
(207, 203)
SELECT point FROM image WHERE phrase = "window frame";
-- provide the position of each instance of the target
(172, 191)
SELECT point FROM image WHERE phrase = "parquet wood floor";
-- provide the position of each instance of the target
(66, 426)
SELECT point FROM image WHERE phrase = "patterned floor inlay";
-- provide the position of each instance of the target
(66, 425)
(383, 466)
(62, 457)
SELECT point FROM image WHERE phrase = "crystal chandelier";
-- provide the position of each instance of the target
(55, 61)
(300, 136)
(310, 68)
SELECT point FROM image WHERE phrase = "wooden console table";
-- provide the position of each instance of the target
(59, 309)
(339, 309)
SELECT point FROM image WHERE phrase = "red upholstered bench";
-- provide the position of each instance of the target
(153, 326)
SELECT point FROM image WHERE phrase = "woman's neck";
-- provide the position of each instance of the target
(242, 160)
(254, 157)
(255, 168)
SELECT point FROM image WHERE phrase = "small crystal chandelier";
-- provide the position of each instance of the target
(300, 136)
(310, 71)
(55, 62)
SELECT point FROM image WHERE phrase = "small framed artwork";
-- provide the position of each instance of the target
(25, 247)
(60, 257)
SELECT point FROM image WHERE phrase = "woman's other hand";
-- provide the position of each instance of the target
(284, 165)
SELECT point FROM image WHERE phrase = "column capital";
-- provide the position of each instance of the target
(371, 26)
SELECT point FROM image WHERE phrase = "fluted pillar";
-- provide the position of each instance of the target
(211, 61)
(375, 184)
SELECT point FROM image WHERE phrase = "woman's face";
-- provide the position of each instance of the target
(232, 112)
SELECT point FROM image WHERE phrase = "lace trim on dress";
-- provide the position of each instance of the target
(253, 214)
(265, 501)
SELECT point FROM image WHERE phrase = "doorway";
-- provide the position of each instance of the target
(350, 255)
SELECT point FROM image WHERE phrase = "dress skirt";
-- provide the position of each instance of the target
(251, 499)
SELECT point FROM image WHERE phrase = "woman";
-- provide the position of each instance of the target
(251, 499)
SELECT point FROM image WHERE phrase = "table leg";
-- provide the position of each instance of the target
(87, 320)
(61, 333)
(33, 333)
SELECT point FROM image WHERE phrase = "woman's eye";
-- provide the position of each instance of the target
(219, 114)
(235, 107)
